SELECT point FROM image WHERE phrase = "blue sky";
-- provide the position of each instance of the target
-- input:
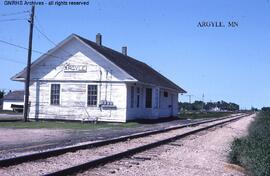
(230, 64)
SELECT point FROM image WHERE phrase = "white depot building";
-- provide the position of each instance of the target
(13, 98)
(84, 80)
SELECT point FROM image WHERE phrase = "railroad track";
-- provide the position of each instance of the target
(73, 159)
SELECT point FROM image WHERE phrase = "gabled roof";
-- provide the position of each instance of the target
(17, 95)
(137, 69)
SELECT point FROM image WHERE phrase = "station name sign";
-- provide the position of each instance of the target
(75, 68)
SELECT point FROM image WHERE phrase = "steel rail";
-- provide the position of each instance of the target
(55, 152)
(114, 157)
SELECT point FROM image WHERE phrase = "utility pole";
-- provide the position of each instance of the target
(28, 68)
(189, 96)
(202, 100)
(203, 97)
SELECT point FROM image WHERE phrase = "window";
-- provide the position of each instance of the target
(132, 97)
(55, 94)
(156, 94)
(165, 94)
(138, 97)
(92, 95)
(148, 98)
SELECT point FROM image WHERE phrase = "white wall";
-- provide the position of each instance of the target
(74, 52)
(161, 106)
(111, 81)
(7, 104)
(73, 97)
(73, 102)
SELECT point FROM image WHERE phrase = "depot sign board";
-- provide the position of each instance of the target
(75, 68)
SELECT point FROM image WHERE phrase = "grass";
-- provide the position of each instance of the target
(253, 151)
(65, 125)
(199, 115)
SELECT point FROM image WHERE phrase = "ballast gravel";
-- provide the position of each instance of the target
(53, 164)
(202, 154)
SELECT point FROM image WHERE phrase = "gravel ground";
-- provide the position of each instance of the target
(15, 142)
(202, 154)
(71, 159)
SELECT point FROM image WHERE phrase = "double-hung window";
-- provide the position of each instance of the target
(132, 97)
(138, 97)
(55, 94)
(92, 95)
(148, 98)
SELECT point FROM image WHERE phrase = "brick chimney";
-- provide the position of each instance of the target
(99, 39)
(124, 50)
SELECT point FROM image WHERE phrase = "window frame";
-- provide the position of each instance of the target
(132, 95)
(148, 98)
(166, 94)
(59, 94)
(87, 96)
(138, 94)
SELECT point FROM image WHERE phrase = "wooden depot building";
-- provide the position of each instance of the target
(84, 80)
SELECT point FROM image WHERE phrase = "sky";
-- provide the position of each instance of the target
(221, 63)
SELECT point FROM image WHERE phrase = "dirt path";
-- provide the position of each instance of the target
(203, 154)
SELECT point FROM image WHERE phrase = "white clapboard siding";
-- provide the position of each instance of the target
(7, 104)
(160, 105)
(113, 85)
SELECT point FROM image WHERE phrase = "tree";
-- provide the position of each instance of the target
(197, 105)
(266, 109)
(200, 105)
(210, 105)
(2, 93)
(185, 106)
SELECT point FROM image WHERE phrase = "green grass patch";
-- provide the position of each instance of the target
(200, 115)
(65, 125)
(253, 151)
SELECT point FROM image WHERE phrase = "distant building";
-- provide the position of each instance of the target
(215, 109)
(12, 97)
(84, 80)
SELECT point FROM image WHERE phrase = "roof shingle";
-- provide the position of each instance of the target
(17, 95)
(137, 69)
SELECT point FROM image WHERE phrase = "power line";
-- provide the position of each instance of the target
(51, 41)
(18, 46)
(13, 19)
(42, 31)
(36, 51)
(15, 13)
(22, 47)
(44, 35)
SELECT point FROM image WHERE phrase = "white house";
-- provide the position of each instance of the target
(84, 80)
(13, 98)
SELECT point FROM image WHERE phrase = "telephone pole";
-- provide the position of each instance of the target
(189, 96)
(203, 97)
(28, 68)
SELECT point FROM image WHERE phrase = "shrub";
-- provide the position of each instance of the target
(253, 151)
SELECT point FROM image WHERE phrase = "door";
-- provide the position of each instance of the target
(171, 106)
